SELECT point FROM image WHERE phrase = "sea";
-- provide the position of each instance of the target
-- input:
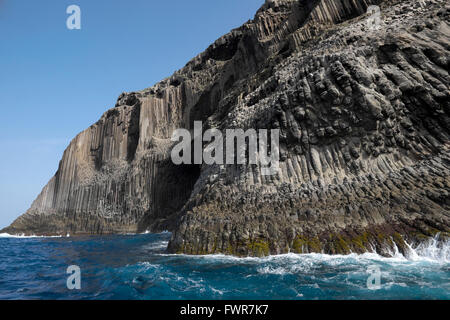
(138, 267)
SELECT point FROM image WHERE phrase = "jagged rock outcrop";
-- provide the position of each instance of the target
(364, 122)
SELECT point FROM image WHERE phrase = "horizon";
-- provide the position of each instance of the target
(77, 75)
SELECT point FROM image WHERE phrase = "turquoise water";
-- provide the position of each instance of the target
(138, 267)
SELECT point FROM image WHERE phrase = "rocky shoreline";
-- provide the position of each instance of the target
(365, 130)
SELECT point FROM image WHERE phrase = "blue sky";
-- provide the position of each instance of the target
(56, 82)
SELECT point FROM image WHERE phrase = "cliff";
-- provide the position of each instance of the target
(364, 122)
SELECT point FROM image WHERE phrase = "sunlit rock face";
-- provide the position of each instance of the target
(362, 105)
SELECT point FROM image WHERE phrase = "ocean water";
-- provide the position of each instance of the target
(138, 267)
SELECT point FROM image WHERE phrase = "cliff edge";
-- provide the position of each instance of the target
(363, 112)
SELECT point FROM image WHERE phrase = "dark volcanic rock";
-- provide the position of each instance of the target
(364, 120)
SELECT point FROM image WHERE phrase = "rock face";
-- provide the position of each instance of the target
(364, 119)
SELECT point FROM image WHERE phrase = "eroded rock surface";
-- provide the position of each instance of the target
(364, 120)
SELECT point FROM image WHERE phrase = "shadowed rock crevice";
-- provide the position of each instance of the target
(174, 185)
(133, 132)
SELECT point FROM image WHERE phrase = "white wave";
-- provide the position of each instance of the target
(220, 292)
(271, 270)
(147, 232)
(144, 266)
(157, 245)
(434, 250)
(23, 236)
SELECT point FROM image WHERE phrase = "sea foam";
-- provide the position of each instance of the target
(23, 236)
(432, 250)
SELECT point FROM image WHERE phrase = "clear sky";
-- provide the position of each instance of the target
(56, 82)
